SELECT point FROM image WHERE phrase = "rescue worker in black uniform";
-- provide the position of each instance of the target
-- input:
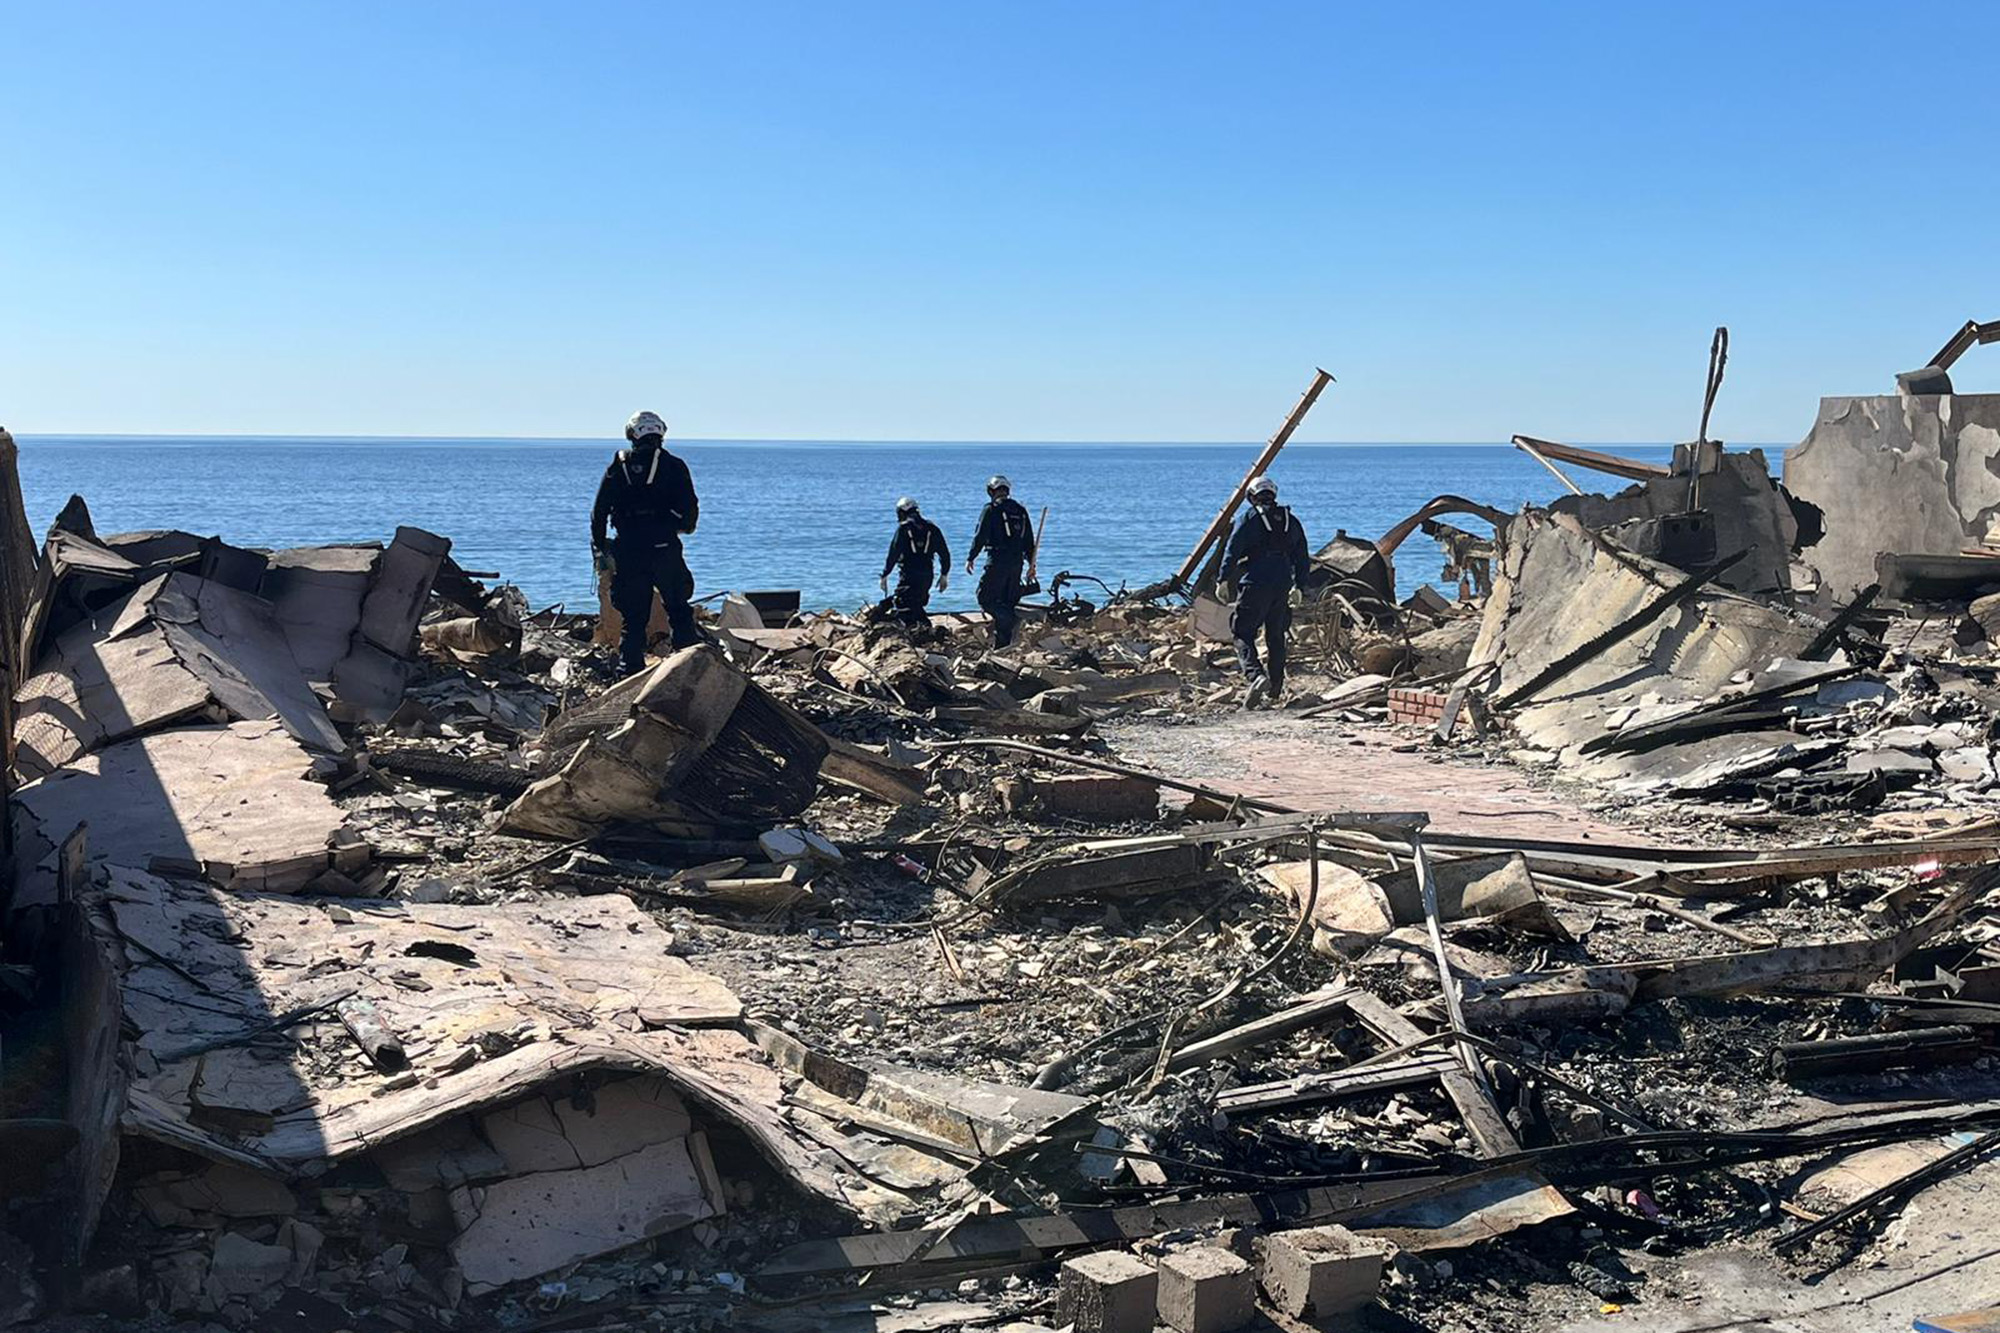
(1265, 557)
(648, 496)
(917, 543)
(1008, 539)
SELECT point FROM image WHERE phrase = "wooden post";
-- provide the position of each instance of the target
(1221, 525)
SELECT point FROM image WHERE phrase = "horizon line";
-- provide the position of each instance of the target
(783, 440)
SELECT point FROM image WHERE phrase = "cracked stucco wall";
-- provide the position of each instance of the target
(1917, 475)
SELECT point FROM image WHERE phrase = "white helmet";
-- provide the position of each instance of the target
(996, 482)
(643, 424)
(1262, 485)
(906, 505)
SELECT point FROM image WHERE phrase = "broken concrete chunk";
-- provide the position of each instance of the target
(564, 1133)
(1972, 763)
(1321, 1271)
(230, 800)
(400, 588)
(351, 612)
(1890, 763)
(240, 1266)
(1107, 1292)
(594, 969)
(798, 846)
(304, 1240)
(1352, 912)
(529, 1225)
(894, 777)
(444, 1156)
(1206, 1289)
(1914, 739)
(1499, 886)
(1743, 508)
(1562, 590)
(318, 591)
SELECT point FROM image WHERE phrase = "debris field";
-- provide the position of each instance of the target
(374, 957)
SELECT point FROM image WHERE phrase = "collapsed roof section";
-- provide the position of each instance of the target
(176, 650)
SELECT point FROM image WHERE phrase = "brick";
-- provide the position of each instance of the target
(1321, 1271)
(1096, 797)
(1205, 1289)
(1419, 707)
(1107, 1292)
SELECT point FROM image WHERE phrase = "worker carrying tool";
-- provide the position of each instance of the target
(1265, 559)
(1007, 539)
(917, 543)
(648, 496)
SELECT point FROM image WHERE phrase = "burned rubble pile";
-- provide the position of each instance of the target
(377, 958)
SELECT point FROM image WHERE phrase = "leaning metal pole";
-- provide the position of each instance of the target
(1221, 525)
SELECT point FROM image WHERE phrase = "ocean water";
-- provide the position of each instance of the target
(812, 516)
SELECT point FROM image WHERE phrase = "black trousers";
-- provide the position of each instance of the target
(909, 604)
(1264, 608)
(999, 592)
(637, 573)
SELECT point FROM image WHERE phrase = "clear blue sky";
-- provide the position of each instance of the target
(965, 220)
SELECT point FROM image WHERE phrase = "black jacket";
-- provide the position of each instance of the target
(649, 497)
(916, 543)
(1268, 547)
(1004, 530)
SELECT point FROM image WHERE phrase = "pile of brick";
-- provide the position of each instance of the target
(1422, 708)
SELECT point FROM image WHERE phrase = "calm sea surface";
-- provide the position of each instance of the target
(814, 516)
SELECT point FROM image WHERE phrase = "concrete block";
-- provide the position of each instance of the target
(1107, 1292)
(1321, 1271)
(1205, 1289)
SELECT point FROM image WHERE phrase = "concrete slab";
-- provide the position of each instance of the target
(531, 1224)
(234, 799)
(1322, 764)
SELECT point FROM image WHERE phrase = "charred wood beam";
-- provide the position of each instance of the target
(1875, 1052)
(1709, 718)
(372, 1034)
(1277, 442)
(1631, 468)
(1895, 1189)
(1961, 342)
(1825, 640)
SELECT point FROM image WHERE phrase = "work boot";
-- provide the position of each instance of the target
(1254, 697)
